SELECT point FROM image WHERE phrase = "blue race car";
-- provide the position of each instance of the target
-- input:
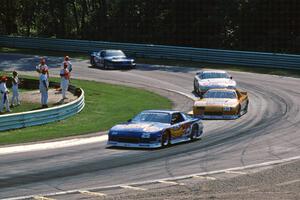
(111, 59)
(155, 128)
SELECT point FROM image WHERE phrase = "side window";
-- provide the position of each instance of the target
(186, 116)
(177, 118)
(200, 75)
(102, 54)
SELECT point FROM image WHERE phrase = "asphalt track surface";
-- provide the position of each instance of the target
(269, 131)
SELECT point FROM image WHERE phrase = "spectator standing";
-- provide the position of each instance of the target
(42, 66)
(15, 89)
(43, 86)
(4, 95)
(67, 60)
(65, 77)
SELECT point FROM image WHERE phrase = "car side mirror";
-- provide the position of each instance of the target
(130, 120)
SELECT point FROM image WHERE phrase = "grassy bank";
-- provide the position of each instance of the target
(25, 106)
(44, 52)
(105, 106)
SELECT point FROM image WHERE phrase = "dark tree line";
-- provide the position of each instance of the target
(259, 25)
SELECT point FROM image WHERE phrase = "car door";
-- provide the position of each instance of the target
(99, 58)
(178, 128)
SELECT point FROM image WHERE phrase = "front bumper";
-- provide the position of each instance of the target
(120, 65)
(134, 145)
(217, 116)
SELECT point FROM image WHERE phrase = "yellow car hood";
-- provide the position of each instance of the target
(216, 102)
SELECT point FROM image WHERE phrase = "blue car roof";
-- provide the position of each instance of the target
(161, 111)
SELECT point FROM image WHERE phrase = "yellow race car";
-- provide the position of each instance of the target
(221, 104)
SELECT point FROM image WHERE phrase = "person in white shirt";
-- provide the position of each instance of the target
(4, 95)
(15, 89)
(42, 66)
(64, 83)
(43, 86)
(67, 60)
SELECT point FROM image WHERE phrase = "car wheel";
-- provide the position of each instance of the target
(92, 61)
(194, 132)
(239, 112)
(105, 65)
(165, 139)
(196, 89)
(246, 107)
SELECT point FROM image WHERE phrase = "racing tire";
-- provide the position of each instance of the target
(246, 107)
(104, 65)
(196, 90)
(165, 139)
(194, 132)
(239, 113)
(92, 61)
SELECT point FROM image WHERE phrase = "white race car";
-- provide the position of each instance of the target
(211, 79)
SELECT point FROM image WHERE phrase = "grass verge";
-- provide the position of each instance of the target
(43, 52)
(261, 70)
(105, 106)
(25, 106)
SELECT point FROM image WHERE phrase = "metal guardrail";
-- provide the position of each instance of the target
(43, 116)
(215, 56)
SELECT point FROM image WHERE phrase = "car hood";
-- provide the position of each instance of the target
(139, 127)
(216, 102)
(118, 58)
(224, 82)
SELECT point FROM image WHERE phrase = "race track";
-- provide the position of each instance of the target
(269, 131)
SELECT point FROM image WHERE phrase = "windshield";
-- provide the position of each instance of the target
(152, 117)
(208, 75)
(220, 94)
(112, 53)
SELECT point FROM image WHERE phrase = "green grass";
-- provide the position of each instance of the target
(44, 52)
(105, 106)
(25, 106)
(261, 70)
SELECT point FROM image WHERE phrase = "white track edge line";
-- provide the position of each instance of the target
(264, 164)
(51, 145)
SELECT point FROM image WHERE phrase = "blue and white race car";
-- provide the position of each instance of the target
(111, 59)
(155, 128)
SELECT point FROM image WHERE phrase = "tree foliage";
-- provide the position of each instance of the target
(261, 25)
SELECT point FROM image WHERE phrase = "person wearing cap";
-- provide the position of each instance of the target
(64, 83)
(43, 86)
(42, 66)
(4, 95)
(15, 89)
(67, 60)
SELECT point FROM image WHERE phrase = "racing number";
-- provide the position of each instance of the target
(177, 131)
(179, 127)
